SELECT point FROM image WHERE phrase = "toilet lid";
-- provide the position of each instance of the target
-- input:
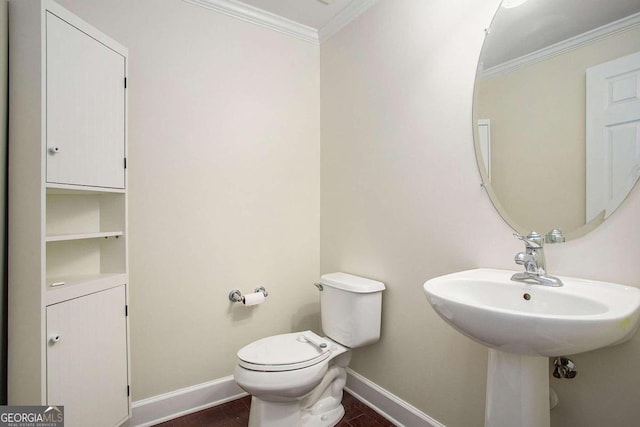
(285, 352)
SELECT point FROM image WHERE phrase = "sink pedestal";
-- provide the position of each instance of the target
(517, 390)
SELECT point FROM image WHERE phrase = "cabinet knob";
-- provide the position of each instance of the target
(54, 150)
(54, 339)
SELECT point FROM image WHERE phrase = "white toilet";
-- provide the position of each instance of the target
(297, 379)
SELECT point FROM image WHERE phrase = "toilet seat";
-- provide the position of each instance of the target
(285, 352)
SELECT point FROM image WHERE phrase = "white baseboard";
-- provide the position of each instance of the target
(164, 407)
(387, 404)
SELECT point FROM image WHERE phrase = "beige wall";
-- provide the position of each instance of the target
(224, 184)
(538, 152)
(224, 193)
(401, 203)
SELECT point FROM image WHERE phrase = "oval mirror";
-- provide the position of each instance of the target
(556, 112)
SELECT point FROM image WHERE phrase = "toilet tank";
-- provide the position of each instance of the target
(351, 309)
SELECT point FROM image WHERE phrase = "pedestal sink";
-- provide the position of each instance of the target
(523, 324)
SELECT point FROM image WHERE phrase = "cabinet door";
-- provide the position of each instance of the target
(85, 108)
(87, 364)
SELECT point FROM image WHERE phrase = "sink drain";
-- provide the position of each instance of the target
(526, 296)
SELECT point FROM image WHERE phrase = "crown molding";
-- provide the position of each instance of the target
(562, 47)
(254, 15)
(260, 17)
(344, 18)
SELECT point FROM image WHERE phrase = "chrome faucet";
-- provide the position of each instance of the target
(535, 266)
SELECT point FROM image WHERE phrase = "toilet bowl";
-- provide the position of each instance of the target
(297, 379)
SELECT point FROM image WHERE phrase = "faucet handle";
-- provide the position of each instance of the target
(529, 262)
(533, 240)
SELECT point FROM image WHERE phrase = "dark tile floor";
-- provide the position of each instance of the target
(236, 414)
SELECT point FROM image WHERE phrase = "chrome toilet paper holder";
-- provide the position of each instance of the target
(236, 296)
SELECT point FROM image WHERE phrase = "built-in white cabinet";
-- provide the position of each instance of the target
(68, 264)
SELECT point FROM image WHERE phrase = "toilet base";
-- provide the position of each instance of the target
(278, 414)
(274, 414)
(328, 419)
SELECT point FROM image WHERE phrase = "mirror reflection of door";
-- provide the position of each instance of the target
(612, 133)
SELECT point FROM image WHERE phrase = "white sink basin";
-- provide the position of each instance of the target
(515, 317)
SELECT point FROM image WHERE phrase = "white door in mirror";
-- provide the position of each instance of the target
(613, 133)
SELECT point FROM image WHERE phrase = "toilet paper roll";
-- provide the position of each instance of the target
(253, 299)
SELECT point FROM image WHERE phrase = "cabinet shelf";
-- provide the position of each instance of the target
(81, 236)
(53, 188)
(75, 286)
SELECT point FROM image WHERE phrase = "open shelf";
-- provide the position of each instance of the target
(85, 241)
(63, 237)
(84, 215)
(85, 257)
